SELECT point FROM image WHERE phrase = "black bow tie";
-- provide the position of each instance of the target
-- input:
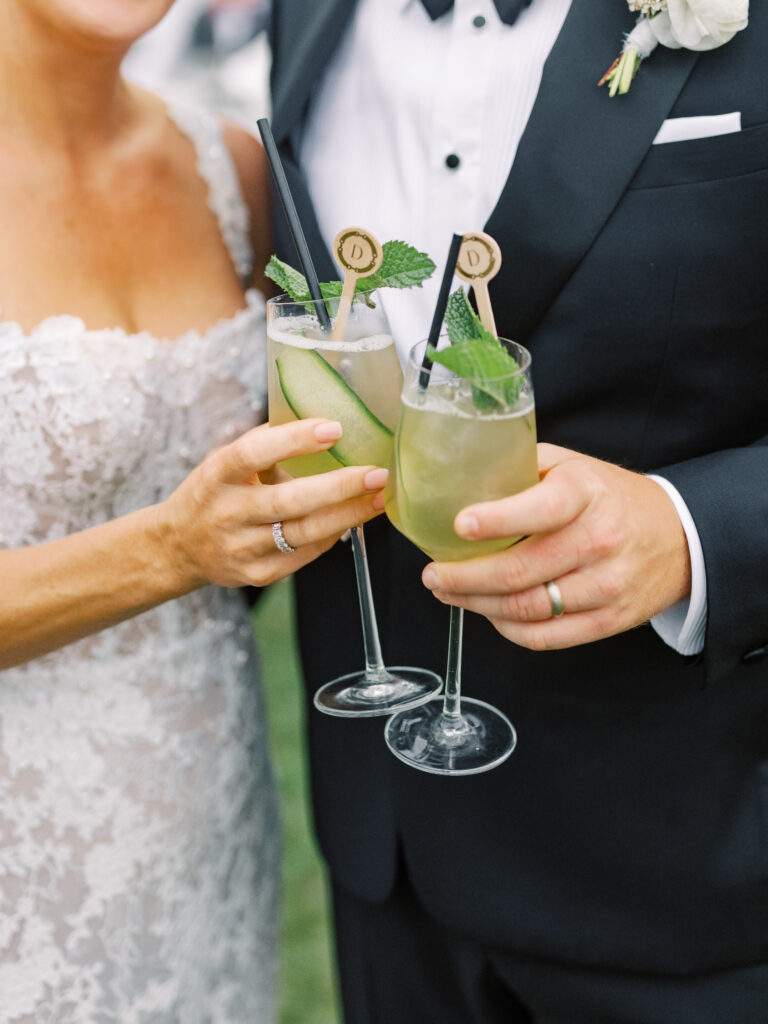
(508, 9)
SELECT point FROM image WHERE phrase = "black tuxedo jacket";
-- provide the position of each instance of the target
(630, 827)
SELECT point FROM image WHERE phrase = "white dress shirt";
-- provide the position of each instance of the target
(412, 133)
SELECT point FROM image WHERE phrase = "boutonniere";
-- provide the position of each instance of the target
(692, 24)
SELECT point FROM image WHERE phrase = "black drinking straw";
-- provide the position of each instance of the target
(442, 302)
(289, 209)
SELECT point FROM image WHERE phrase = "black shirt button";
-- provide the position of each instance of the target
(479, 21)
(452, 161)
(753, 657)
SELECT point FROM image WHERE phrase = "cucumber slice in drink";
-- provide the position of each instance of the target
(313, 388)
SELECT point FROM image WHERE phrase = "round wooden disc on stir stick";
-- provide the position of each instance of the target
(360, 254)
(478, 263)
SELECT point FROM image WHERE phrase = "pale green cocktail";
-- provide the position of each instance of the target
(356, 380)
(449, 454)
(459, 440)
(300, 383)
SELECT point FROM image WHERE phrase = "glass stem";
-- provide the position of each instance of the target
(452, 699)
(374, 664)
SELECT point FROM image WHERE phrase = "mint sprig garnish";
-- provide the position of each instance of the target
(402, 266)
(477, 356)
(461, 321)
(287, 279)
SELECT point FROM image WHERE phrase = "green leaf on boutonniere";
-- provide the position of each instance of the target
(621, 73)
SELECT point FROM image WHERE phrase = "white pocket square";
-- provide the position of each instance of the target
(682, 129)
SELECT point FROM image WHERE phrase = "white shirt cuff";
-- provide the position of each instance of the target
(683, 625)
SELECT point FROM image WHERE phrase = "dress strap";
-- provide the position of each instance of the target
(217, 169)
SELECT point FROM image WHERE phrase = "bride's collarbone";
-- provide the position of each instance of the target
(139, 251)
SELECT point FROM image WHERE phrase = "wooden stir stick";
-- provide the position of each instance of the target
(478, 263)
(360, 254)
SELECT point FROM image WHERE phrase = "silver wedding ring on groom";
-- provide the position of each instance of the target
(555, 599)
(280, 542)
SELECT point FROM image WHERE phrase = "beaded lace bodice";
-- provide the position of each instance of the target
(138, 825)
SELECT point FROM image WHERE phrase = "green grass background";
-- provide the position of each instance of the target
(308, 992)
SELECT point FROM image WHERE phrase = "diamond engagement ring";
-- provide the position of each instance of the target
(555, 599)
(280, 542)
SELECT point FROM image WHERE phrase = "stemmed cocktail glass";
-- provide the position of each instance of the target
(454, 448)
(355, 378)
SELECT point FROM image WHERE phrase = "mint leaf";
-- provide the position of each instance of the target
(295, 284)
(477, 356)
(402, 267)
(460, 320)
(287, 279)
(331, 289)
(486, 366)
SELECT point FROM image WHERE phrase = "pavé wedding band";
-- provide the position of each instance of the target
(280, 542)
(555, 599)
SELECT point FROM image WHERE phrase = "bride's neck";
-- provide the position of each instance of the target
(58, 91)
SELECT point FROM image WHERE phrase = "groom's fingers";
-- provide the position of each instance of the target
(557, 500)
(515, 569)
(262, 447)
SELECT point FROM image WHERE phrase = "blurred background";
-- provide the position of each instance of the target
(307, 986)
(216, 54)
(209, 52)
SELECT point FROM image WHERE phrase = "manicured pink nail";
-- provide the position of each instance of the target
(375, 479)
(466, 525)
(331, 430)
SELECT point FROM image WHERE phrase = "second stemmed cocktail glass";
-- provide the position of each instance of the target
(357, 380)
(454, 447)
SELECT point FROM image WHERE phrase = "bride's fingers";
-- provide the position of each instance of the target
(277, 565)
(327, 524)
(295, 499)
(262, 447)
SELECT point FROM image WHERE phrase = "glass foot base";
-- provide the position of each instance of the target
(478, 739)
(359, 695)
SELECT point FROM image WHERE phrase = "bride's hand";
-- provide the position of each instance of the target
(218, 522)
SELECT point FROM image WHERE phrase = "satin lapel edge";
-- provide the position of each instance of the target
(577, 155)
(300, 64)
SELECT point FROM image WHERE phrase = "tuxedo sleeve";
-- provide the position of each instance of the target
(727, 495)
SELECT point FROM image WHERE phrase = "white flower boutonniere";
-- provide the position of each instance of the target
(693, 24)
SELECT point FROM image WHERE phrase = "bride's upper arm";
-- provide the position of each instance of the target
(253, 171)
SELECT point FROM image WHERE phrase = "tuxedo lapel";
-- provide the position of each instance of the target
(304, 54)
(577, 155)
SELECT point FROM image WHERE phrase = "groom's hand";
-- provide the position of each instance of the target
(610, 539)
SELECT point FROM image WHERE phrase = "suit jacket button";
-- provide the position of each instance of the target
(753, 657)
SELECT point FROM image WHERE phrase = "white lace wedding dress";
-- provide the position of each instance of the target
(139, 835)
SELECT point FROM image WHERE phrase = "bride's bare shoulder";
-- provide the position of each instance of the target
(150, 115)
